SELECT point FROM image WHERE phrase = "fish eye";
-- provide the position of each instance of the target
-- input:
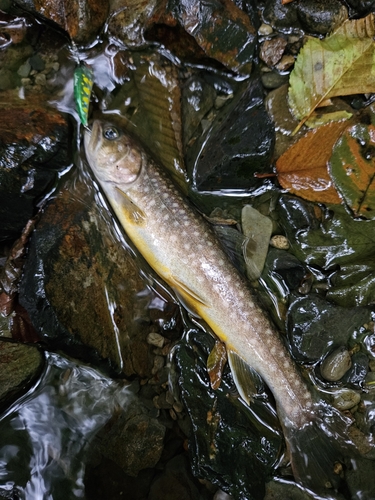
(111, 133)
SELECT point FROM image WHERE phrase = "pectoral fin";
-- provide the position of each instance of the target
(248, 381)
(189, 299)
(130, 209)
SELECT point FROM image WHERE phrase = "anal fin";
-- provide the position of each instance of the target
(248, 381)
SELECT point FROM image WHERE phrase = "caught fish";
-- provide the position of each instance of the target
(183, 250)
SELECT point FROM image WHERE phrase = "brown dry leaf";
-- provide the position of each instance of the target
(302, 169)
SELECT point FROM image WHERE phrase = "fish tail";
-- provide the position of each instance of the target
(317, 450)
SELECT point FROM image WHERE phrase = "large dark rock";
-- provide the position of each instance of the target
(82, 287)
(238, 144)
(34, 147)
(81, 20)
(20, 365)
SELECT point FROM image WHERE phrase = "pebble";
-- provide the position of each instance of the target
(346, 399)
(40, 79)
(24, 70)
(265, 29)
(158, 364)
(155, 339)
(336, 364)
(279, 241)
(285, 63)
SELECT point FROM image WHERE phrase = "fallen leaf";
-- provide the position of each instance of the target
(303, 168)
(352, 167)
(215, 364)
(341, 64)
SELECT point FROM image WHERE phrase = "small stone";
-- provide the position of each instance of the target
(25, 82)
(37, 62)
(273, 80)
(346, 399)
(279, 241)
(178, 406)
(24, 69)
(265, 29)
(172, 414)
(40, 79)
(285, 63)
(336, 364)
(158, 364)
(155, 339)
(271, 51)
(169, 397)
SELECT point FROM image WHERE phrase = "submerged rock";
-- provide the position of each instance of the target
(20, 365)
(83, 289)
(238, 144)
(34, 147)
(81, 20)
(315, 326)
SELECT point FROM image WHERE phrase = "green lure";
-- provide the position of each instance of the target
(83, 81)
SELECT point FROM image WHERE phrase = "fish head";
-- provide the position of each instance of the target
(112, 154)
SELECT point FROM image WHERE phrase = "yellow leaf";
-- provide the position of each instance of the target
(341, 64)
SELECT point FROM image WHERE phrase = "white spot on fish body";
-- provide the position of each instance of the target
(151, 203)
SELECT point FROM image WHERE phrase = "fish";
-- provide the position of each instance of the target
(180, 246)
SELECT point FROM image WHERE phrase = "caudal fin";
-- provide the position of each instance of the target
(317, 451)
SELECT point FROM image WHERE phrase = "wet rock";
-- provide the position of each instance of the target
(361, 7)
(336, 364)
(227, 158)
(34, 147)
(358, 371)
(222, 30)
(20, 365)
(320, 17)
(223, 430)
(345, 399)
(361, 479)
(107, 480)
(282, 490)
(284, 269)
(282, 17)
(272, 50)
(82, 20)
(273, 80)
(258, 229)
(129, 20)
(75, 249)
(131, 439)
(277, 106)
(315, 326)
(175, 482)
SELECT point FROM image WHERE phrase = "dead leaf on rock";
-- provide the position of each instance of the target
(352, 167)
(303, 168)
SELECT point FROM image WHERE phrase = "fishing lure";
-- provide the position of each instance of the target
(83, 82)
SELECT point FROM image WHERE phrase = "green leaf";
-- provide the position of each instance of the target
(341, 64)
(352, 168)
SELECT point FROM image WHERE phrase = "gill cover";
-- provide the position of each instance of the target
(113, 155)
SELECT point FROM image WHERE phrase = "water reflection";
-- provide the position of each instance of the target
(44, 436)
